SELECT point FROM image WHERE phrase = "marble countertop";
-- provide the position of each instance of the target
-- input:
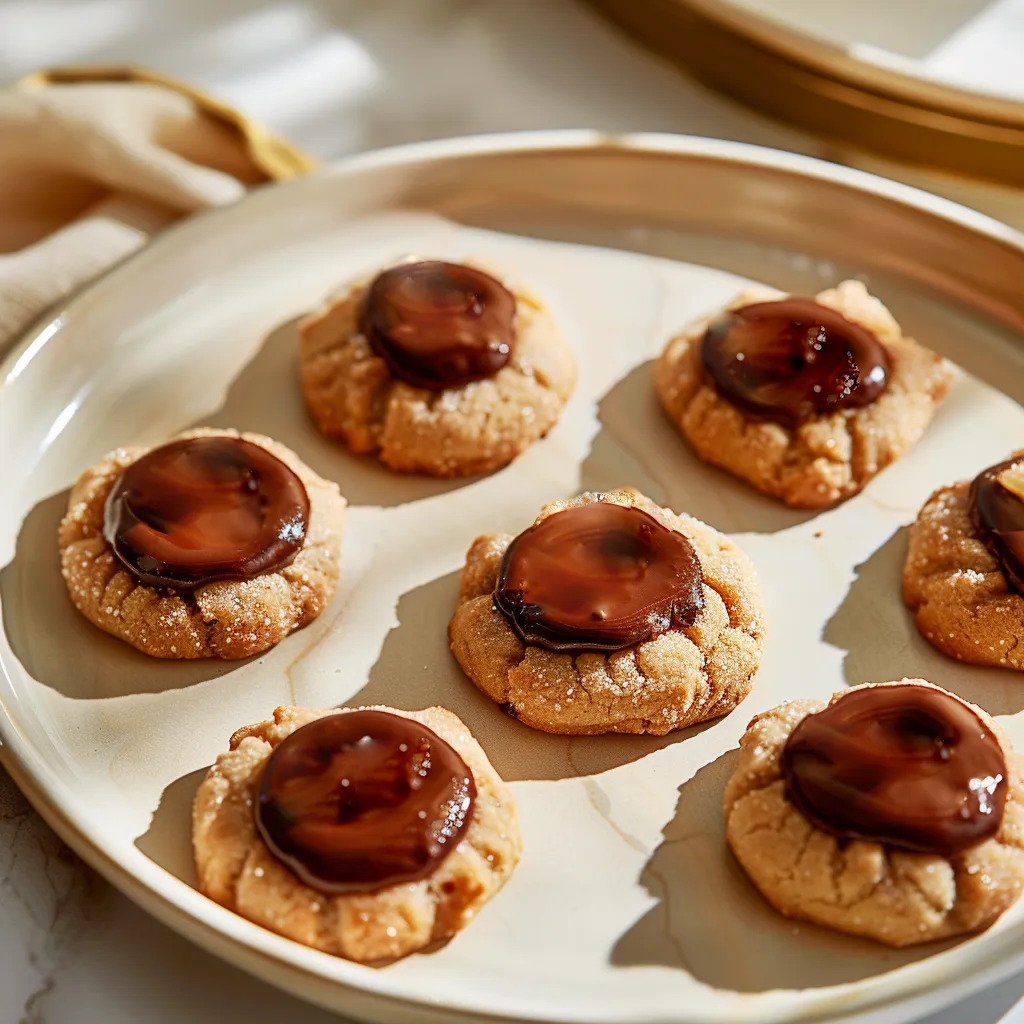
(336, 76)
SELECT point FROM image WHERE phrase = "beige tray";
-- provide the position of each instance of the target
(627, 906)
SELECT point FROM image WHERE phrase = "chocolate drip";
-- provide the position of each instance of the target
(357, 801)
(598, 577)
(439, 325)
(909, 766)
(793, 359)
(997, 512)
(204, 509)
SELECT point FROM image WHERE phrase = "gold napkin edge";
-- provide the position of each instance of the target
(276, 158)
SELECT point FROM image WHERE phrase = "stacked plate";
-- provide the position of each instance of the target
(939, 84)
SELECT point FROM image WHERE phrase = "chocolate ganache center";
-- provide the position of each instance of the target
(997, 511)
(204, 509)
(360, 800)
(598, 577)
(439, 325)
(909, 766)
(793, 359)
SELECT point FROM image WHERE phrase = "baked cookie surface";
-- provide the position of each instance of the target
(957, 589)
(353, 396)
(677, 678)
(225, 619)
(827, 458)
(895, 896)
(236, 868)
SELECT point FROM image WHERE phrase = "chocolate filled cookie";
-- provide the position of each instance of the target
(964, 574)
(367, 833)
(893, 812)
(216, 544)
(609, 614)
(435, 368)
(805, 399)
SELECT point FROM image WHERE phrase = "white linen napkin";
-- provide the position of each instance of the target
(93, 163)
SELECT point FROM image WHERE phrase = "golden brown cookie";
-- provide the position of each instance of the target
(823, 459)
(683, 675)
(225, 619)
(884, 892)
(237, 868)
(956, 587)
(354, 396)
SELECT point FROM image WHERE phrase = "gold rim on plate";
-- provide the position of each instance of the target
(821, 88)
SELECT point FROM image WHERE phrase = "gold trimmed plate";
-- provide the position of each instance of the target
(822, 88)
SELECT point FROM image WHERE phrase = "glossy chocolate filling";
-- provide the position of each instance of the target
(793, 359)
(360, 800)
(439, 325)
(204, 509)
(997, 512)
(908, 766)
(598, 577)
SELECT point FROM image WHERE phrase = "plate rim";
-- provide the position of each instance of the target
(824, 55)
(821, 88)
(253, 948)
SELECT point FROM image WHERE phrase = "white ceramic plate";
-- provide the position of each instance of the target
(965, 44)
(936, 84)
(627, 906)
